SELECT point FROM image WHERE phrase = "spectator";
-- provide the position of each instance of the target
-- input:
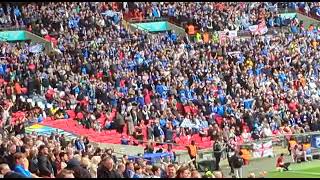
(237, 163)
(217, 152)
(195, 174)
(7, 173)
(44, 164)
(65, 174)
(79, 171)
(156, 172)
(121, 169)
(21, 163)
(129, 172)
(106, 169)
(137, 172)
(183, 172)
(171, 171)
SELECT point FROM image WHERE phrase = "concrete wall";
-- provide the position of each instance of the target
(120, 149)
(35, 38)
(179, 30)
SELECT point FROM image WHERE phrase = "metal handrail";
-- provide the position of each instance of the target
(11, 28)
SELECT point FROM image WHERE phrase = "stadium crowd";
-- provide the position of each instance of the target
(159, 88)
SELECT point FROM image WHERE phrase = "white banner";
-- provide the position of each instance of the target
(260, 29)
(36, 48)
(232, 34)
(262, 150)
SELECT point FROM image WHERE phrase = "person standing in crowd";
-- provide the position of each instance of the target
(171, 171)
(65, 174)
(44, 164)
(217, 153)
(183, 172)
(129, 172)
(193, 152)
(230, 150)
(78, 171)
(7, 173)
(20, 167)
(237, 163)
(106, 169)
(9, 158)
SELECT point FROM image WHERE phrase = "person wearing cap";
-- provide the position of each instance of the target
(79, 172)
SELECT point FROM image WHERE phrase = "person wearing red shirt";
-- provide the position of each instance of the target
(281, 163)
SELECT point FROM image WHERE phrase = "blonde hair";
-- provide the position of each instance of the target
(77, 157)
(85, 162)
(96, 160)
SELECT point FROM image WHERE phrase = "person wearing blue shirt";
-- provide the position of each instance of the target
(17, 12)
(294, 29)
(222, 99)
(188, 94)
(85, 53)
(80, 145)
(220, 110)
(162, 122)
(2, 72)
(318, 11)
(173, 37)
(155, 12)
(271, 22)
(20, 160)
(160, 89)
(248, 103)
(116, 19)
(171, 11)
(84, 70)
(140, 100)
(182, 95)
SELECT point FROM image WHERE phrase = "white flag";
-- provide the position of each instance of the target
(260, 29)
(262, 150)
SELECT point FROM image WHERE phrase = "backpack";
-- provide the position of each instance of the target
(238, 162)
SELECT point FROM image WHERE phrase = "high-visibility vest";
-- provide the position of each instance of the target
(193, 150)
(191, 30)
(198, 36)
(215, 38)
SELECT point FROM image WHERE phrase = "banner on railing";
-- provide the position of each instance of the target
(262, 149)
(36, 48)
(224, 34)
(259, 29)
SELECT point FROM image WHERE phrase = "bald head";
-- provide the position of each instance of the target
(108, 163)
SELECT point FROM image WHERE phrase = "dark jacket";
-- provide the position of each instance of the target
(45, 166)
(79, 172)
(33, 165)
(14, 175)
(104, 173)
(236, 161)
(9, 159)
